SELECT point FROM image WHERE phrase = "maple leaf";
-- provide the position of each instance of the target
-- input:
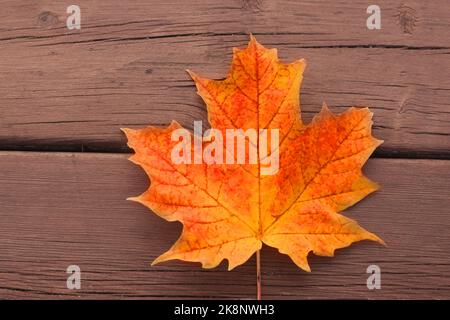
(229, 210)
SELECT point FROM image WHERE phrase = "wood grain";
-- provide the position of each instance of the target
(59, 209)
(73, 90)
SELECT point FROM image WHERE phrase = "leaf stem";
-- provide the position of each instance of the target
(258, 275)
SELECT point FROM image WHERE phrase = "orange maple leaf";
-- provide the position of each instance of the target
(229, 210)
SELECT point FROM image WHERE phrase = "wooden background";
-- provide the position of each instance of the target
(64, 175)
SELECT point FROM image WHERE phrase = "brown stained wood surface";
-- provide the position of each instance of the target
(71, 90)
(60, 209)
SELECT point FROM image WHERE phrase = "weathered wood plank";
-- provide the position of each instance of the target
(309, 22)
(69, 90)
(59, 209)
